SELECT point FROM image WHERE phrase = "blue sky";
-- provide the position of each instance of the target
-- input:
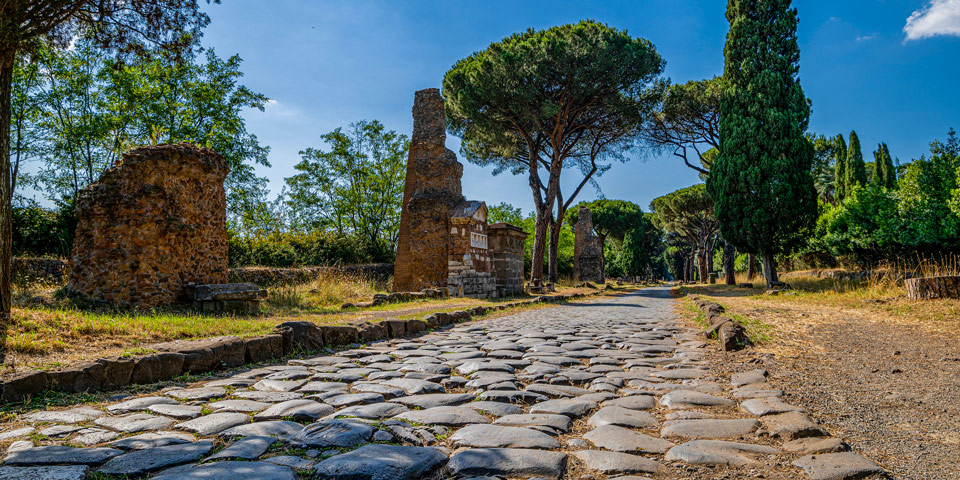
(325, 64)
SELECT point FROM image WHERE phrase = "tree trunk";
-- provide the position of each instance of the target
(539, 247)
(554, 259)
(6, 195)
(769, 269)
(751, 266)
(704, 269)
(729, 258)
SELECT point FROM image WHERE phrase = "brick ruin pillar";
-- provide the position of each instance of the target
(153, 223)
(587, 251)
(506, 257)
(431, 190)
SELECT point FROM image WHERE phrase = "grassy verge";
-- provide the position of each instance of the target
(49, 331)
(757, 331)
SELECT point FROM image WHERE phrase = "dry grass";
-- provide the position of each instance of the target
(49, 331)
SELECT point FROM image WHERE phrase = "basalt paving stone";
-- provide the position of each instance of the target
(247, 448)
(619, 439)
(317, 387)
(487, 366)
(267, 385)
(204, 393)
(432, 368)
(349, 399)
(507, 462)
(498, 436)
(382, 462)
(565, 391)
(139, 404)
(290, 374)
(767, 406)
(717, 452)
(612, 463)
(213, 423)
(55, 455)
(708, 428)
(57, 431)
(561, 423)
(812, 446)
(690, 398)
(755, 392)
(374, 411)
(431, 400)
(153, 459)
(837, 466)
(179, 412)
(570, 407)
(413, 386)
(333, 433)
(73, 415)
(269, 397)
(633, 402)
(282, 429)
(614, 415)
(234, 470)
(446, 416)
(151, 440)
(385, 390)
(16, 432)
(69, 472)
(241, 406)
(490, 378)
(297, 410)
(749, 378)
(93, 436)
(135, 422)
(497, 409)
(296, 463)
(512, 396)
(792, 425)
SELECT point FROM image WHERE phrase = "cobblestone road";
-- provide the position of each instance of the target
(613, 388)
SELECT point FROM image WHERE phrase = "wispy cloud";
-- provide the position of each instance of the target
(281, 110)
(864, 38)
(939, 17)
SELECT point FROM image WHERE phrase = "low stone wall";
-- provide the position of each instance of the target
(200, 356)
(267, 276)
(39, 270)
(56, 271)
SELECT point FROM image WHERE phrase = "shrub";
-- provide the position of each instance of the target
(302, 249)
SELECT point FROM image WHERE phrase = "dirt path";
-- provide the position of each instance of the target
(888, 385)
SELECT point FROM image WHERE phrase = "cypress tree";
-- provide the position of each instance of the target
(856, 169)
(840, 169)
(886, 173)
(761, 181)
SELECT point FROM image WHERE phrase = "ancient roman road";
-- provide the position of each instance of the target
(611, 388)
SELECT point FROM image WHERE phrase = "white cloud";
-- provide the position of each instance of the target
(939, 17)
(864, 38)
(281, 110)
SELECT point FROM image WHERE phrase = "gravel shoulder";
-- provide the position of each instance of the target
(888, 384)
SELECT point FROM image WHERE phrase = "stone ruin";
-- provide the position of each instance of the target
(150, 226)
(506, 256)
(443, 239)
(587, 250)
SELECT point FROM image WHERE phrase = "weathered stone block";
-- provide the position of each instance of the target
(415, 326)
(261, 349)
(117, 371)
(339, 334)
(153, 223)
(396, 328)
(20, 387)
(306, 335)
(87, 377)
(157, 367)
(371, 332)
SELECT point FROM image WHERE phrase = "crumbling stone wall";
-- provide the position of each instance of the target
(431, 190)
(506, 257)
(152, 223)
(587, 250)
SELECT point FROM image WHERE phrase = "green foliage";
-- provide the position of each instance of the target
(822, 170)
(856, 174)
(840, 172)
(355, 188)
(864, 226)
(43, 232)
(300, 249)
(690, 120)
(611, 218)
(90, 107)
(761, 181)
(642, 250)
(925, 191)
(504, 212)
(688, 216)
(885, 173)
